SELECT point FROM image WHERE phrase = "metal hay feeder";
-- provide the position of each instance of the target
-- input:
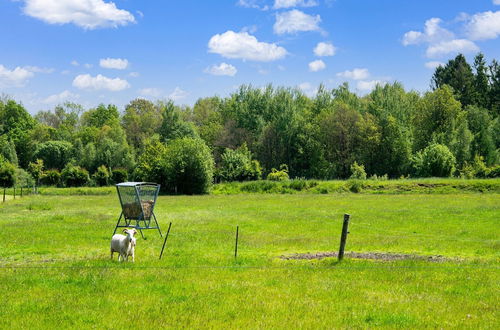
(138, 200)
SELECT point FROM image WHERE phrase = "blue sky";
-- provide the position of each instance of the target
(96, 51)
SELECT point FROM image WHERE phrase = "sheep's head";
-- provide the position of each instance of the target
(130, 233)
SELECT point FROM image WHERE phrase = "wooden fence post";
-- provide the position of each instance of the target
(343, 237)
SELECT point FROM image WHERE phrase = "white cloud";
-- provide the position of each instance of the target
(356, 74)
(37, 69)
(367, 86)
(307, 89)
(433, 33)
(452, 46)
(134, 74)
(154, 92)
(113, 63)
(88, 14)
(255, 4)
(278, 4)
(496, 2)
(324, 49)
(75, 63)
(433, 64)
(244, 46)
(316, 66)
(86, 81)
(222, 69)
(178, 94)
(14, 78)
(88, 65)
(295, 21)
(61, 97)
(484, 26)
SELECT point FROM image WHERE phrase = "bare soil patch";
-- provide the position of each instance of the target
(366, 255)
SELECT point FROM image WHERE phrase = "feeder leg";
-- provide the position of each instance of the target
(157, 225)
(116, 227)
(142, 234)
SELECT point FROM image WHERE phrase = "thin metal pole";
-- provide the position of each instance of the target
(165, 241)
(343, 238)
(236, 245)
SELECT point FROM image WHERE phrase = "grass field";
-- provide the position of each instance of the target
(55, 270)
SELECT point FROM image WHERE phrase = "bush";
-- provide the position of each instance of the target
(358, 171)
(281, 175)
(119, 175)
(188, 167)
(434, 161)
(55, 154)
(237, 165)
(74, 176)
(494, 172)
(354, 185)
(23, 178)
(101, 176)
(51, 178)
(7, 174)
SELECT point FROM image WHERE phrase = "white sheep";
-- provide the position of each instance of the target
(124, 244)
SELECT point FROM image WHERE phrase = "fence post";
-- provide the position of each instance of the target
(21, 191)
(165, 241)
(236, 245)
(4, 194)
(343, 237)
(14, 192)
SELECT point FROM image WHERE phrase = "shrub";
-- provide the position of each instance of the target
(101, 176)
(188, 167)
(237, 165)
(74, 176)
(23, 178)
(435, 160)
(55, 154)
(355, 186)
(358, 171)
(119, 175)
(7, 174)
(281, 175)
(494, 172)
(51, 178)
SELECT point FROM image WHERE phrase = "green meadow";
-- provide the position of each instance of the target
(56, 272)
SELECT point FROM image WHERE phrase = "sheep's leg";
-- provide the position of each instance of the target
(133, 256)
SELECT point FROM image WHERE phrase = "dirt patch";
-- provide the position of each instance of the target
(365, 255)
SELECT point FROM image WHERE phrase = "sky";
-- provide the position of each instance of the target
(97, 51)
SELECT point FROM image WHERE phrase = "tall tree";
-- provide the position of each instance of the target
(457, 73)
(481, 83)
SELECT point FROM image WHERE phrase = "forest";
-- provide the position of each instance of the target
(273, 133)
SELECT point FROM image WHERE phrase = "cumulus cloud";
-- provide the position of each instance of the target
(60, 98)
(255, 4)
(496, 2)
(483, 26)
(222, 69)
(294, 21)
(244, 46)
(37, 69)
(316, 66)
(278, 4)
(100, 82)
(17, 77)
(433, 64)
(178, 94)
(324, 49)
(154, 92)
(113, 63)
(433, 33)
(452, 46)
(88, 14)
(356, 74)
(367, 86)
(307, 89)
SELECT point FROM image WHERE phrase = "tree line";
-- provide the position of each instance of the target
(271, 132)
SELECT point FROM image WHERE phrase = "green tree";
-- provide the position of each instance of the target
(457, 73)
(481, 82)
(7, 174)
(141, 120)
(237, 165)
(55, 154)
(172, 126)
(36, 170)
(435, 161)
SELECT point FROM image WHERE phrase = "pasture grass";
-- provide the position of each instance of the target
(55, 270)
